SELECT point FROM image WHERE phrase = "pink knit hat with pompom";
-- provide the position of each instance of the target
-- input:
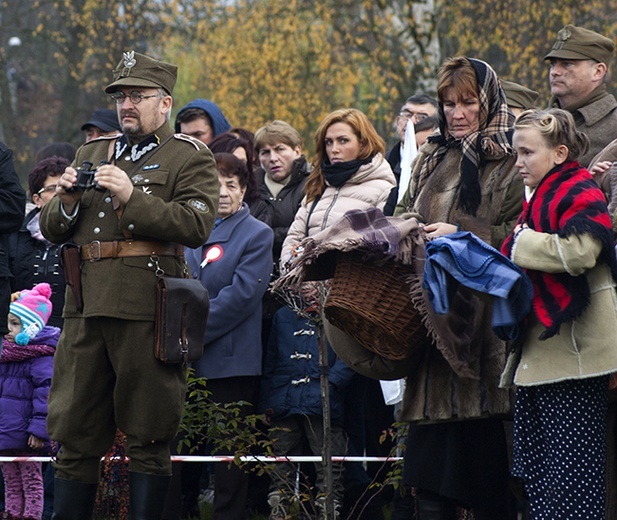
(33, 308)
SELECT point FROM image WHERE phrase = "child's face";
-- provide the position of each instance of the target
(535, 156)
(14, 325)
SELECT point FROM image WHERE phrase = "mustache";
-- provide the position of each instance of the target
(128, 113)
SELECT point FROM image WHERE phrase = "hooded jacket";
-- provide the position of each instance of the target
(24, 388)
(219, 121)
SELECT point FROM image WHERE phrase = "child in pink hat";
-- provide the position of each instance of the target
(26, 366)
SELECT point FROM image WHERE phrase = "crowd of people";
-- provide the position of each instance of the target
(531, 434)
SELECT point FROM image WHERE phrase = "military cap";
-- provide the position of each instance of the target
(138, 70)
(519, 96)
(576, 43)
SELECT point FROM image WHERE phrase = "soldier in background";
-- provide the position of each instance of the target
(579, 62)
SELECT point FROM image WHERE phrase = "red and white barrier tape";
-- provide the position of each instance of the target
(230, 458)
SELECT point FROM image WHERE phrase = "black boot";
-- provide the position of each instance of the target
(435, 510)
(73, 500)
(148, 494)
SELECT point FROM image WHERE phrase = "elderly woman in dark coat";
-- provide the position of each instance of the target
(234, 265)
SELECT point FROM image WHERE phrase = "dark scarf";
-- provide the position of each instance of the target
(491, 141)
(339, 173)
(566, 202)
(13, 353)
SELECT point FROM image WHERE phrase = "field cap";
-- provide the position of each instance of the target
(139, 70)
(105, 119)
(576, 43)
(518, 96)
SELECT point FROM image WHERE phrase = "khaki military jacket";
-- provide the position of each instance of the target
(598, 120)
(175, 199)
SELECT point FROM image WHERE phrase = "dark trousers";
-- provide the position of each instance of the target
(106, 377)
(231, 482)
(289, 434)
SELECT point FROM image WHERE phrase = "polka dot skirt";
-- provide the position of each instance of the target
(560, 448)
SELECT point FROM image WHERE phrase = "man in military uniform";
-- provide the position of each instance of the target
(158, 193)
(579, 63)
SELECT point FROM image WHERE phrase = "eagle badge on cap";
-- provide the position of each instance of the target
(129, 62)
(562, 36)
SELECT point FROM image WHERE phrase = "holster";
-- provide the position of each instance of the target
(71, 264)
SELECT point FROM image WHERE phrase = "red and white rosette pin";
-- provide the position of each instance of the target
(213, 254)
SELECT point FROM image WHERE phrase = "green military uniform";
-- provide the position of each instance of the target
(596, 113)
(105, 373)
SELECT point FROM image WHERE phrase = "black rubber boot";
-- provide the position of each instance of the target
(148, 494)
(73, 500)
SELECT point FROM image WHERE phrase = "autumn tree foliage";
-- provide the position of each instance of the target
(515, 36)
(260, 60)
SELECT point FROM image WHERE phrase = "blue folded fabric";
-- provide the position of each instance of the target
(463, 258)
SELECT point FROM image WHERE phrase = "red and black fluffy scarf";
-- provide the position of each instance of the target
(566, 202)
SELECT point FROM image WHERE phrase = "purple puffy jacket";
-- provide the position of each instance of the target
(25, 378)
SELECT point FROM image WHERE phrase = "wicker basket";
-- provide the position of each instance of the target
(371, 303)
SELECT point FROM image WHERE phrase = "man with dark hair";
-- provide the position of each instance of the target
(201, 119)
(415, 109)
(156, 192)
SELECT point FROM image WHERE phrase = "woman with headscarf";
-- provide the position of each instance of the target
(463, 178)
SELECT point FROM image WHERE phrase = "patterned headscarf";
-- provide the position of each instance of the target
(492, 140)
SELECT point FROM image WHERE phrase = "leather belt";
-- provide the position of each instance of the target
(97, 250)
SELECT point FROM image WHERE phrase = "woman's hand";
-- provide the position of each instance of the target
(439, 229)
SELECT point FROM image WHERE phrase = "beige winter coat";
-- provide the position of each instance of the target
(587, 347)
(369, 187)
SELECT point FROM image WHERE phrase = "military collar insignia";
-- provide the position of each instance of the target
(129, 63)
(138, 150)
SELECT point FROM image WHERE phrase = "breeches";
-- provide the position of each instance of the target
(106, 377)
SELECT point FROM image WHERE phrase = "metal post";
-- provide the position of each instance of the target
(326, 452)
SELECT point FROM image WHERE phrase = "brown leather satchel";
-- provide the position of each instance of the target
(182, 309)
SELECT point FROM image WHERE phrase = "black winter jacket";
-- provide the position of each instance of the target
(34, 261)
(279, 212)
(12, 208)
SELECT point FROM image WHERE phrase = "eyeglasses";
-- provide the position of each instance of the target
(49, 189)
(134, 96)
(408, 114)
